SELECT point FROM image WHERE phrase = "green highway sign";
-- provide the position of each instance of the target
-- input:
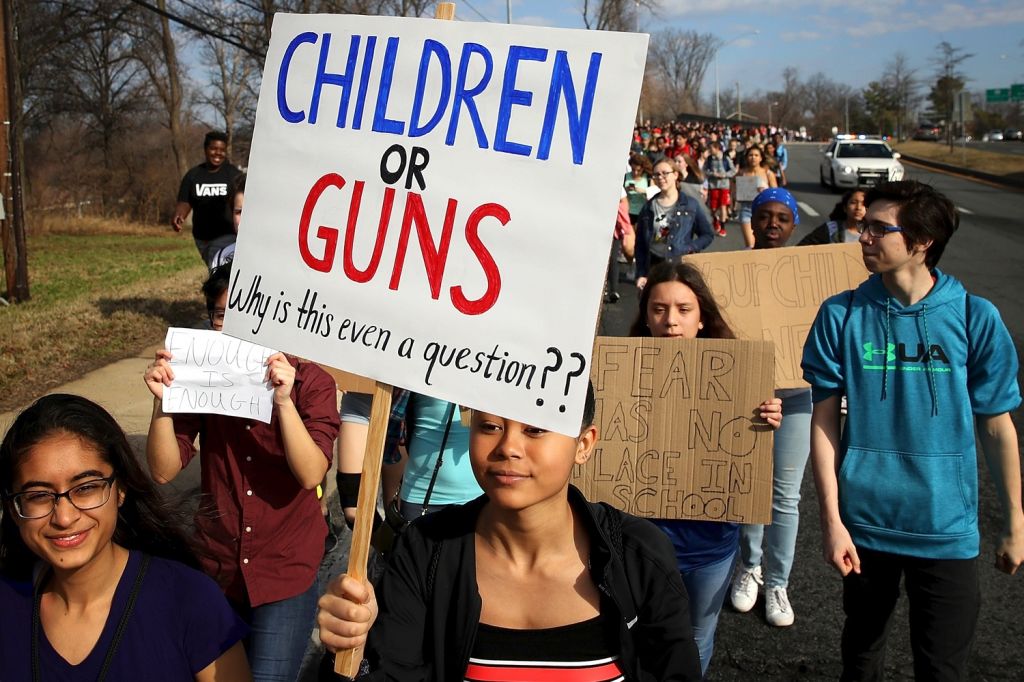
(1017, 92)
(997, 95)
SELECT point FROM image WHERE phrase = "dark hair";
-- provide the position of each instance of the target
(145, 522)
(589, 406)
(214, 136)
(715, 326)
(744, 164)
(924, 214)
(237, 187)
(839, 212)
(216, 284)
(642, 161)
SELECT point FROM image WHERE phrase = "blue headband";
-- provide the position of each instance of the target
(780, 195)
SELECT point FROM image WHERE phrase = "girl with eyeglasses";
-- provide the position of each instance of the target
(671, 225)
(97, 576)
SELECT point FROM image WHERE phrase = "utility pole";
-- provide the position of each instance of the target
(739, 104)
(640, 100)
(13, 220)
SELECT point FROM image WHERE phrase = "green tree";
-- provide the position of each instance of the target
(881, 104)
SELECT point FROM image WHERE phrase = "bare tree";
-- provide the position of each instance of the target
(157, 52)
(614, 15)
(232, 89)
(950, 80)
(903, 88)
(788, 103)
(680, 59)
(102, 82)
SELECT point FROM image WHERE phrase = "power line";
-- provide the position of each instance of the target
(200, 29)
(476, 11)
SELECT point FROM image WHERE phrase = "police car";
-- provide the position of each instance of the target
(858, 161)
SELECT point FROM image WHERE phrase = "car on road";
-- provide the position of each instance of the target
(858, 161)
(927, 132)
(993, 136)
(1013, 134)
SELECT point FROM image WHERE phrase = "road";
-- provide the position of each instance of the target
(985, 254)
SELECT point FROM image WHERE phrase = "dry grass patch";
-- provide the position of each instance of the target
(1010, 165)
(100, 292)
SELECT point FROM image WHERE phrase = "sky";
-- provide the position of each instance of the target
(849, 41)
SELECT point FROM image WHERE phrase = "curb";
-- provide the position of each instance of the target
(1001, 180)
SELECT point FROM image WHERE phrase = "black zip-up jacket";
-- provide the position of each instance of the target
(430, 606)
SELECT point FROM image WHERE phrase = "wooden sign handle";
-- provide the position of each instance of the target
(347, 662)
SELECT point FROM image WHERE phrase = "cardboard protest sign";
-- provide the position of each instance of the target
(680, 435)
(746, 187)
(430, 204)
(217, 374)
(774, 294)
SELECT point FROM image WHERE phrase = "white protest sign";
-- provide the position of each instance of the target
(217, 374)
(431, 203)
(746, 187)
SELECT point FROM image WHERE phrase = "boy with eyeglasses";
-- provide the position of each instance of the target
(921, 362)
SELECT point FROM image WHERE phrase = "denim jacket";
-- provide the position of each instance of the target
(689, 231)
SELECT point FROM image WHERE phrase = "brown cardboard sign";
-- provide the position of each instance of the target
(679, 432)
(774, 294)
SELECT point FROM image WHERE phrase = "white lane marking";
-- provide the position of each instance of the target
(964, 210)
(807, 209)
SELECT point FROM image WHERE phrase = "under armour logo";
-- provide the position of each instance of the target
(870, 351)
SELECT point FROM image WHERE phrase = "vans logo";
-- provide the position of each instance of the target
(213, 189)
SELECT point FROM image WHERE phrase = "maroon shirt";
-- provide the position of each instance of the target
(263, 532)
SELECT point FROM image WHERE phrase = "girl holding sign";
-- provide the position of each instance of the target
(775, 216)
(528, 579)
(264, 536)
(756, 170)
(97, 578)
(677, 303)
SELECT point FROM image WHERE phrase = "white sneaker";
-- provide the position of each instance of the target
(745, 583)
(778, 610)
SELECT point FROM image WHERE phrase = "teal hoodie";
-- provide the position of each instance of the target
(914, 376)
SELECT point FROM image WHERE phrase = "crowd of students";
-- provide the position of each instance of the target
(507, 572)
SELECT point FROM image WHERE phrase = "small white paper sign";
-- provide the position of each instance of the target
(217, 374)
(746, 187)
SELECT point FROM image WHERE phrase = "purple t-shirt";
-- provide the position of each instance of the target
(180, 624)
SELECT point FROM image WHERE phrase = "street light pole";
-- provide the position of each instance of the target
(718, 97)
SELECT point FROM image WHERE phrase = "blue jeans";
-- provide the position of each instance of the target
(706, 587)
(792, 446)
(279, 633)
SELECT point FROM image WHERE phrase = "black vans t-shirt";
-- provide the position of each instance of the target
(207, 193)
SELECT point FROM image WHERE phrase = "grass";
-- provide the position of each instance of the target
(1009, 165)
(101, 291)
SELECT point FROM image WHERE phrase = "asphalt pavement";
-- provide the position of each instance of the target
(985, 254)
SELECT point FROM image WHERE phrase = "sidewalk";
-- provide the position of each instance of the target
(118, 387)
